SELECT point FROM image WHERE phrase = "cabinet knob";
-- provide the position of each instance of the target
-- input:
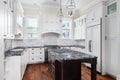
(5, 2)
(32, 58)
(4, 35)
(12, 11)
(40, 52)
(40, 58)
(32, 48)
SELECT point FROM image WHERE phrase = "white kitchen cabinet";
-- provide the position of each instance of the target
(18, 19)
(95, 13)
(36, 55)
(94, 44)
(95, 35)
(80, 28)
(24, 61)
(1, 41)
(8, 18)
(113, 37)
(13, 68)
(13, 15)
(1, 61)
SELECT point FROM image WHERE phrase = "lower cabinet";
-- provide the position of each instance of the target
(36, 55)
(13, 68)
(24, 61)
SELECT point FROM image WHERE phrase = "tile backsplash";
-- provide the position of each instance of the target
(8, 44)
(12, 43)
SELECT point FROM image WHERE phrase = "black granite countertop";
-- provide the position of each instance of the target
(14, 52)
(66, 54)
(18, 53)
(80, 46)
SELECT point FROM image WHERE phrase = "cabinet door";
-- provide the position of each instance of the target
(90, 16)
(113, 39)
(83, 29)
(98, 12)
(5, 21)
(22, 64)
(10, 15)
(112, 52)
(1, 19)
(95, 13)
(13, 66)
(96, 45)
(1, 42)
(89, 40)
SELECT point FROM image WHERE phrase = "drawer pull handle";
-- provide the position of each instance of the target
(40, 58)
(32, 53)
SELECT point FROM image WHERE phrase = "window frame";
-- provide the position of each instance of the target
(33, 34)
(70, 28)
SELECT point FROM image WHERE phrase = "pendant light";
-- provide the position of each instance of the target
(70, 6)
(60, 12)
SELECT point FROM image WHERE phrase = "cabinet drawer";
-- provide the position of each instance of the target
(40, 59)
(36, 53)
(37, 49)
(36, 59)
(41, 49)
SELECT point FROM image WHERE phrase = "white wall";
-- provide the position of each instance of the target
(47, 15)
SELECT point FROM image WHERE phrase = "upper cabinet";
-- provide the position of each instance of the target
(80, 28)
(7, 18)
(11, 15)
(18, 19)
(95, 13)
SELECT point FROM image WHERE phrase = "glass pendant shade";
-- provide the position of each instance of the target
(71, 5)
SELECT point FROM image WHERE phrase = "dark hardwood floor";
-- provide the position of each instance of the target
(40, 72)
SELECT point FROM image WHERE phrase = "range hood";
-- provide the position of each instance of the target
(50, 38)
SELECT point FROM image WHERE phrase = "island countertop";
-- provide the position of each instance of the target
(65, 61)
(66, 54)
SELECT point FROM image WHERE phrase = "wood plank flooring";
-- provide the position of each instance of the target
(40, 72)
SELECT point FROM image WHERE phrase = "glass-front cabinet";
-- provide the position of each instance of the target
(66, 28)
(8, 18)
(80, 28)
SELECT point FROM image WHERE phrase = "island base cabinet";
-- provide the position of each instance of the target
(67, 70)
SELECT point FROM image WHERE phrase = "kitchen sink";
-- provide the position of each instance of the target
(16, 50)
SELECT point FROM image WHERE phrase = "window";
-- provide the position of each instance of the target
(112, 8)
(31, 27)
(66, 28)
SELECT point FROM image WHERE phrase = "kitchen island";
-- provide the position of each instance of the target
(65, 64)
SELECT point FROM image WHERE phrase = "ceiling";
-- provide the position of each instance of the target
(79, 3)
